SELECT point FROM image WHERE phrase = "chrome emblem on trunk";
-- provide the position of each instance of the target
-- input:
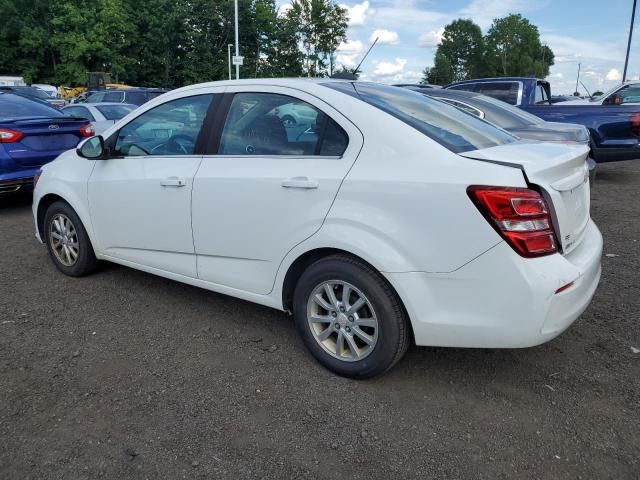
(54, 127)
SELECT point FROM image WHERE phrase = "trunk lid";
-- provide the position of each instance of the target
(561, 172)
(43, 138)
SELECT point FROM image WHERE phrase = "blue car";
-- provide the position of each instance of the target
(33, 133)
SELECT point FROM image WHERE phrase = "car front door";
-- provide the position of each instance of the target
(268, 183)
(140, 197)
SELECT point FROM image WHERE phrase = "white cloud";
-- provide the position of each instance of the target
(389, 69)
(483, 12)
(431, 39)
(614, 75)
(349, 53)
(384, 37)
(359, 13)
(568, 49)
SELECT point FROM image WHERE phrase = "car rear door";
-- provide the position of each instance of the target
(267, 183)
(140, 198)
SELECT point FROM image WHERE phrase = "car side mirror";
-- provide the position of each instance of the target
(91, 148)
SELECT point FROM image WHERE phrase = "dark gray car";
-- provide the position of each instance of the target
(512, 119)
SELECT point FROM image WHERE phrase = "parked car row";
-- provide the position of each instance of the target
(376, 215)
(614, 126)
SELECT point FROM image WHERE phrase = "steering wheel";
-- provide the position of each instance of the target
(174, 145)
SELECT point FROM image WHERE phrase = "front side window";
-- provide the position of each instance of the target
(168, 129)
(505, 91)
(445, 124)
(628, 94)
(274, 124)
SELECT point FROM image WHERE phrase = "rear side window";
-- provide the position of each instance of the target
(113, 97)
(505, 91)
(137, 98)
(274, 124)
(15, 106)
(447, 125)
(114, 112)
(79, 112)
(467, 87)
(95, 98)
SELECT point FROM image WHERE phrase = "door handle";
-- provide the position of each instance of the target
(299, 182)
(173, 182)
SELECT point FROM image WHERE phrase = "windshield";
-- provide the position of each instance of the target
(450, 127)
(517, 117)
(114, 112)
(15, 106)
(605, 94)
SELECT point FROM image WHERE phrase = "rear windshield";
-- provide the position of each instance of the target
(516, 117)
(15, 106)
(114, 112)
(505, 91)
(450, 127)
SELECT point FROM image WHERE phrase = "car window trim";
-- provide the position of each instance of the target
(453, 101)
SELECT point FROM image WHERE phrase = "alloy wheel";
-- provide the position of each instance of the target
(342, 320)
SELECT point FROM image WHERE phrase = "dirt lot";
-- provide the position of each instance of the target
(126, 375)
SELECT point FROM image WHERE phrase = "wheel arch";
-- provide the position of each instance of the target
(43, 204)
(304, 260)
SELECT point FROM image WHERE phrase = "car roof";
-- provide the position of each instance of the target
(102, 104)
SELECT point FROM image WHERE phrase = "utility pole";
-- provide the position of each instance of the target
(578, 78)
(626, 60)
(237, 44)
(229, 55)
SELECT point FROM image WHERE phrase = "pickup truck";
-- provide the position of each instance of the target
(614, 129)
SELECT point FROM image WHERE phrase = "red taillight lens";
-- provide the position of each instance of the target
(87, 130)
(519, 215)
(635, 123)
(10, 136)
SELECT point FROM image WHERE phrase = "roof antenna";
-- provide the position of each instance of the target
(590, 96)
(353, 75)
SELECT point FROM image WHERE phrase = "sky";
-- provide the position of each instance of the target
(589, 32)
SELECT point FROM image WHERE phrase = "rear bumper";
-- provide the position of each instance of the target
(501, 300)
(21, 183)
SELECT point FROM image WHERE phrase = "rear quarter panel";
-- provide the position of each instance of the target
(404, 207)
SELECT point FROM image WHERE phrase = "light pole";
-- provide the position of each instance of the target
(626, 60)
(229, 55)
(237, 44)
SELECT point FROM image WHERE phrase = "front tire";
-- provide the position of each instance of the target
(350, 318)
(67, 241)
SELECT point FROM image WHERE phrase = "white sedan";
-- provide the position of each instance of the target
(389, 218)
(101, 115)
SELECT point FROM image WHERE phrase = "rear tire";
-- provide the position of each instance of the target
(67, 241)
(350, 318)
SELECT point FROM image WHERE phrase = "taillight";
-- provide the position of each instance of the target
(519, 215)
(635, 123)
(10, 136)
(87, 130)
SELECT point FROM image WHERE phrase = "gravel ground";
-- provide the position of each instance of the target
(125, 375)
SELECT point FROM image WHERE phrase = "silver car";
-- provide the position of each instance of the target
(101, 115)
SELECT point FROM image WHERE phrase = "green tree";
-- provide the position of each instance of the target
(462, 45)
(441, 73)
(321, 26)
(513, 48)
